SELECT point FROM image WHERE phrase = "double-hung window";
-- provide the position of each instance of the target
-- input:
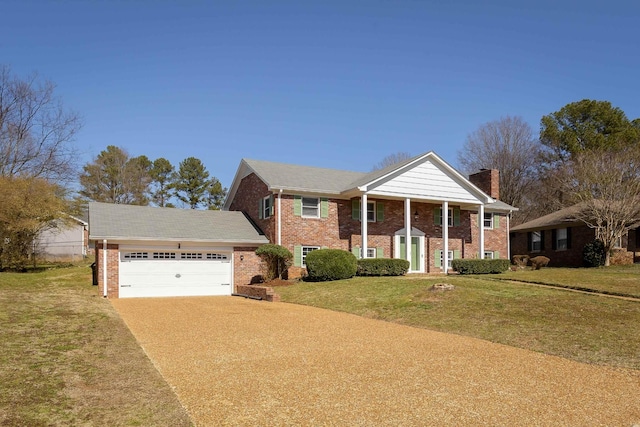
(488, 220)
(311, 207)
(267, 206)
(488, 255)
(449, 258)
(536, 241)
(305, 251)
(561, 239)
(371, 211)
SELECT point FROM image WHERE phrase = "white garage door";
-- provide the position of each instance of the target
(165, 273)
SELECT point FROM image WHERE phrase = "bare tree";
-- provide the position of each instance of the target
(606, 185)
(508, 145)
(36, 133)
(392, 159)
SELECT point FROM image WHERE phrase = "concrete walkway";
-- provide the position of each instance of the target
(236, 362)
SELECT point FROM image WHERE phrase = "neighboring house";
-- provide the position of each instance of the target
(143, 251)
(561, 237)
(375, 214)
(63, 240)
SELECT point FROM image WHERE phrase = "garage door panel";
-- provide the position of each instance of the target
(174, 277)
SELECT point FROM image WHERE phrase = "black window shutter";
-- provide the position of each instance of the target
(542, 240)
(554, 244)
(529, 244)
(568, 237)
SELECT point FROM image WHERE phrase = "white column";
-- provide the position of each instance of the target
(407, 232)
(481, 230)
(104, 267)
(363, 220)
(280, 218)
(508, 237)
(445, 237)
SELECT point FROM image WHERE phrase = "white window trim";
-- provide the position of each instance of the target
(484, 221)
(374, 211)
(565, 239)
(317, 207)
(488, 254)
(449, 259)
(303, 255)
(266, 207)
(371, 253)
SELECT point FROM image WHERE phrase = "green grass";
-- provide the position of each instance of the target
(67, 359)
(616, 280)
(582, 327)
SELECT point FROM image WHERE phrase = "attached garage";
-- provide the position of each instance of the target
(144, 251)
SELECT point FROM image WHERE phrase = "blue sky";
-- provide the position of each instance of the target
(337, 84)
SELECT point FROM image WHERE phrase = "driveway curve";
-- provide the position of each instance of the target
(236, 362)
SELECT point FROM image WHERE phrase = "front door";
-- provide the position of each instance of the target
(415, 252)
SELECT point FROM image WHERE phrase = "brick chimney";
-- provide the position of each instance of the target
(488, 180)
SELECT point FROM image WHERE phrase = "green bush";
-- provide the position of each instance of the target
(330, 264)
(277, 260)
(382, 267)
(480, 266)
(593, 254)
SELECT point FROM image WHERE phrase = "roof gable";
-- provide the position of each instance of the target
(128, 222)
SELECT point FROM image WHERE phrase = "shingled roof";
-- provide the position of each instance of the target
(563, 217)
(127, 222)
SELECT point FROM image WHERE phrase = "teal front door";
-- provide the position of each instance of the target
(415, 252)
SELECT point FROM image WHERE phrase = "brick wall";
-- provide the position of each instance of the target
(112, 269)
(580, 236)
(250, 191)
(248, 267)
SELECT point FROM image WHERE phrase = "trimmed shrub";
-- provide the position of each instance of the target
(480, 266)
(330, 264)
(593, 254)
(382, 267)
(277, 260)
(538, 262)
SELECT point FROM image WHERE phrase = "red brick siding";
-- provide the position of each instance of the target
(112, 269)
(250, 191)
(248, 267)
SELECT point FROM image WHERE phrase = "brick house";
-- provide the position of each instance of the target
(374, 214)
(561, 237)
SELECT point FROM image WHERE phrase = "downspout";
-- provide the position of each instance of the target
(445, 237)
(104, 267)
(481, 231)
(363, 222)
(509, 235)
(279, 226)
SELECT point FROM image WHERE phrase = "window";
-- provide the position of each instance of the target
(136, 255)
(449, 258)
(371, 211)
(488, 220)
(305, 251)
(311, 207)
(191, 255)
(217, 256)
(488, 255)
(618, 243)
(561, 239)
(371, 253)
(164, 255)
(536, 241)
(453, 216)
(267, 206)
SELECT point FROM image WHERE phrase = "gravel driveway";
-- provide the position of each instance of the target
(236, 362)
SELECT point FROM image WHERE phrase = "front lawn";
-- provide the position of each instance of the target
(621, 280)
(582, 327)
(67, 358)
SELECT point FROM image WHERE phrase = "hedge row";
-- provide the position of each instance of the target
(480, 266)
(382, 267)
